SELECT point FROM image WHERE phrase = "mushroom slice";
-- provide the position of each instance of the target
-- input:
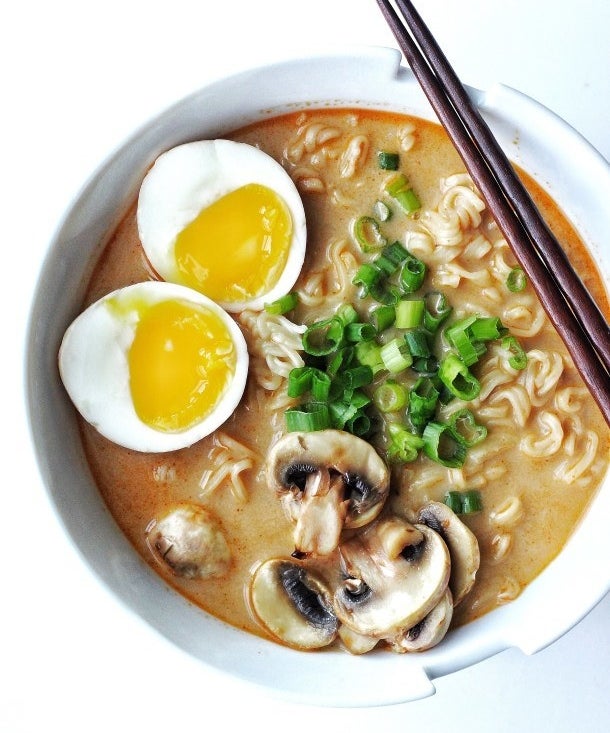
(381, 595)
(327, 480)
(189, 540)
(293, 604)
(356, 643)
(429, 631)
(462, 544)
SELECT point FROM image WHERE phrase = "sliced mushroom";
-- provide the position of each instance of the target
(381, 595)
(293, 604)
(429, 631)
(189, 540)
(356, 643)
(462, 544)
(327, 480)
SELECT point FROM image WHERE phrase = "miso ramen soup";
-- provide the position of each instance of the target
(515, 461)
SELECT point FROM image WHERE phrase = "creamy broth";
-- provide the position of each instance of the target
(529, 509)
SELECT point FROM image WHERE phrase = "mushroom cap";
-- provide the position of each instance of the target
(189, 540)
(429, 631)
(293, 604)
(462, 544)
(365, 475)
(383, 595)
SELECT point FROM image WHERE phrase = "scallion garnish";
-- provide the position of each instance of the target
(388, 161)
(456, 376)
(464, 502)
(402, 192)
(395, 356)
(368, 235)
(487, 329)
(444, 445)
(308, 417)
(282, 305)
(323, 337)
(417, 341)
(404, 445)
(383, 317)
(382, 211)
(423, 398)
(463, 422)
(412, 274)
(299, 381)
(409, 313)
(518, 358)
(367, 276)
(437, 310)
(368, 353)
(356, 332)
(390, 396)
(516, 280)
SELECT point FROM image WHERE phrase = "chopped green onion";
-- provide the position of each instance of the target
(340, 359)
(417, 343)
(516, 280)
(404, 445)
(427, 366)
(347, 313)
(394, 357)
(308, 417)
(383, 317)
(299, 381)
(437, 310)
(382, 211)
(412, 274)
(390, 396)
(282, 305)
(518, 360)
(488, 329)
(423, 399)
(444, 445)
(468, 349)
(400, 190)
(356, 332)
(464, 502)
(320, 385)
(367, 234)
(387, 296)
(367, 276)
(368, 353)
(455, 375)
(323, 337)
(388, 161)
(409, 313)
(464, 423)
(358, 376)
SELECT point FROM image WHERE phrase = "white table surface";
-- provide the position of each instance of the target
(77, 79)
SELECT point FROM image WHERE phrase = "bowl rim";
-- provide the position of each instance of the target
(520, 624)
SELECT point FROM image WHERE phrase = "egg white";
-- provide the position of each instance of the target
(94, 369)
(190, 177)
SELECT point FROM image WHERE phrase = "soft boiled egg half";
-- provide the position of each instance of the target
(154, 366)
(225, 219)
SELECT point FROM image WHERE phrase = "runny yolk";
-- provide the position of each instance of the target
(237, 247)
(181, 362)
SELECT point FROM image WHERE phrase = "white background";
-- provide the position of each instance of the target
(77, 78)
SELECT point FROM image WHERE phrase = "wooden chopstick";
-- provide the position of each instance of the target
(566, 301)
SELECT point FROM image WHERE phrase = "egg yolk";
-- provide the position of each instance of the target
(237, 247)
(181, 362)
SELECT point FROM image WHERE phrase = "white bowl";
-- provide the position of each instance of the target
(368, 77)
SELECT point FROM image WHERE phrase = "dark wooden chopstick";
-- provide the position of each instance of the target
(562, 295)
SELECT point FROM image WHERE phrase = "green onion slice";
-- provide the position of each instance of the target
(368, 353)
(356, 332)
(395, 356)
(516, 280)
(388, 161)
(423, 399)
(418, 343)
(464, 422)
(308, 417)
(382, 211)
(383, 317)
(390, 396)
(404, 445)
(412, 274)
(456, 376)
(487, 329)
(323, 337)
(518, 358)
(368, 235)
(282, 305)
(464, 502)
(367, 276)
(299, 381)
(409, 313)
(437, 310)
(400, 190)
(444, 445)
